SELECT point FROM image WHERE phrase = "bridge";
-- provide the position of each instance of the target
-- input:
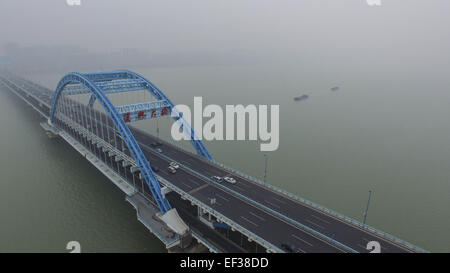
(187, 208)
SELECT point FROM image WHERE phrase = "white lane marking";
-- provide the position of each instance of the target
(193, 181)
(248, 221)
(197, 189)
(275, 216)
(281, 201)
(300, 239)
(189, 186)
(245, 201)
(257, 216)
(300, 250)
(239, 188)
(383, 239)
(220, 196)
(311, 222)
(320, 219)
(272, 204)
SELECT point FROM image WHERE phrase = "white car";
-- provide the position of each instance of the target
(174, 165)
(171, 169)
(230, 180)
(159, 150)
(217, 178)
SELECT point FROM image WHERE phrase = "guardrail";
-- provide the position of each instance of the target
(26, 91)
(308, 229)
(290, 195)
(220, 216)
(205, 242)
(278, 214)
(98, 140)
(300, 199)
(33, 85)
(248, 233)
(324, 209)
(3, 82)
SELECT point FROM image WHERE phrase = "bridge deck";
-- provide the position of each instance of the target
(270, 214)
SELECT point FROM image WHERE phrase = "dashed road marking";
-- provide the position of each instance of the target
(275, 205)
(248, 221)
(239, 188)
(257, 216)
(281, 201)
(221, 197)
(300, 239)
(320, 219)
(197, 189)
(311, 222)
(189, 186)
(193, 181)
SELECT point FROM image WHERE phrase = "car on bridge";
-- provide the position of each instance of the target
(171, 169)
(155, 169)
(230, 180)
(174, 165)
(217, 178)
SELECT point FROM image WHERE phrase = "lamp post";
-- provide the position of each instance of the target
(157, 128)
(367, 207)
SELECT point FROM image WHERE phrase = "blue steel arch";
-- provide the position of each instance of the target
(158, 94)
(135, 150)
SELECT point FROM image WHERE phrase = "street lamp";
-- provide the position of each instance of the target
(157, 128)
(367, 207)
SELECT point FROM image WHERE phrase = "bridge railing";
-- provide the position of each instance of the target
(26, 100)
(14, 85)
(200, 238)
(220, 217)
(30, 83)
(278, 214)
(298, 198)
(168, 242)
(324, 209)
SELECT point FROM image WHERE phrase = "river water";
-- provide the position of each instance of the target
(382, 133)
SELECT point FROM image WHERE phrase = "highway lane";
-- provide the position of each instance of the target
(210, 234)
(343, 232)
(237, 209)
(245, 214)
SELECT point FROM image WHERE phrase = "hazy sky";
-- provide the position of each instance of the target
(334, 29)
